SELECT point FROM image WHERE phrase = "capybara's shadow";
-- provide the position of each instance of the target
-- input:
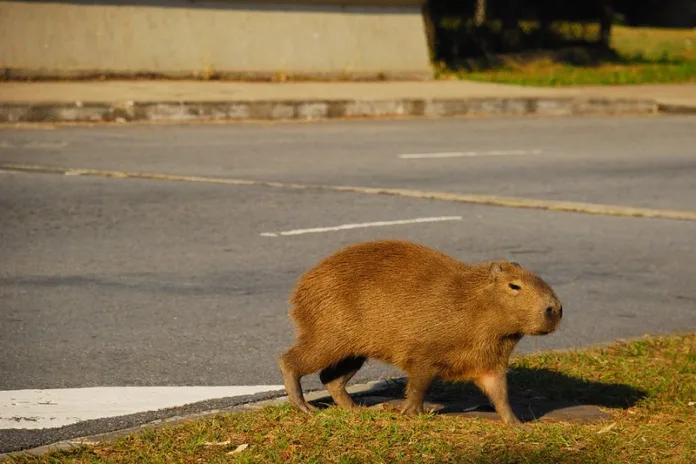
(534, 393)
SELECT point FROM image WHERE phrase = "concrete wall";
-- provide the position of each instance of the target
(179, 38)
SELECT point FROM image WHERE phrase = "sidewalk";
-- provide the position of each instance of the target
(77, 101)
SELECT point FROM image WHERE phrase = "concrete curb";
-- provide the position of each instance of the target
(284, 110)
(356, 391)
(675, 109)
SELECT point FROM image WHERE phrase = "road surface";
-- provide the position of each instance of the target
(120, 282)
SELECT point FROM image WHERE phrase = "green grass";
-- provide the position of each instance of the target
(647, 386)
(643, 56)
(549, 74)
(653, 43)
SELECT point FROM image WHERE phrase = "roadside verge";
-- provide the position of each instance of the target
(617, 403)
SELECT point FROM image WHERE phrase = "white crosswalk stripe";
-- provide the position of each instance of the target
(41, 409)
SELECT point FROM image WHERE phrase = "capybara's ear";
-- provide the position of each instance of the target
(494, 269)
(515, 263)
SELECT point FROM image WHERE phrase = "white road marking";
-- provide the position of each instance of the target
(463, 154)
(360, 226)
(40, 409)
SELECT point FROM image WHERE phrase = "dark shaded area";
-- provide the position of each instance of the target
(345, 366)
(534, 393)
(578, 55)
(533, 383)
(220, 283)
(476, 34)
(680, 14)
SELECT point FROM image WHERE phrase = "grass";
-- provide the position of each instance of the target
(648, 387)
(546, 73)
(642, 56)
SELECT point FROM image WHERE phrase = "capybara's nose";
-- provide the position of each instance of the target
(554, 310)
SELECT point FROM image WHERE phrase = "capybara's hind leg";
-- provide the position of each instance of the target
(336, 377)
(291, 367)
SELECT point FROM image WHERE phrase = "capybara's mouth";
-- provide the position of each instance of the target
(544, 331)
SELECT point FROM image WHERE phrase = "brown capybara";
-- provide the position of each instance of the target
(418, 309)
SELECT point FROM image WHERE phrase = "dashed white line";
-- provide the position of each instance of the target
(41, 409)
(463, 154)
(316, 230)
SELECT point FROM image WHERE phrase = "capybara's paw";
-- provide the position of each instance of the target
(515, 424)
(411, 410)
(304, 407)
(310, 408)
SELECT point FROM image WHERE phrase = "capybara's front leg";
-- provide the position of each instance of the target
(494, 385)
(417, 387)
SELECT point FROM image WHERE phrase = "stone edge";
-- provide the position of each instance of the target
(296, 110)
(358, 390)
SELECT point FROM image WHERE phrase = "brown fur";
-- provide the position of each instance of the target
(416, 308)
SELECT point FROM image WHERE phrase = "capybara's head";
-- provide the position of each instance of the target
(532, 305)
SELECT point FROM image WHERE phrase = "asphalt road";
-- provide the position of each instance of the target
(643, 162)
(117, 282)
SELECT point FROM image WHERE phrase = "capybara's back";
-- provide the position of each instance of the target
(372, 293)
(414, 307)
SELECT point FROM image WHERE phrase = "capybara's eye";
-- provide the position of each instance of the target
(514, 286)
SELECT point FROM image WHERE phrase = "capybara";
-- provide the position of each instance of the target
(408, 305)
